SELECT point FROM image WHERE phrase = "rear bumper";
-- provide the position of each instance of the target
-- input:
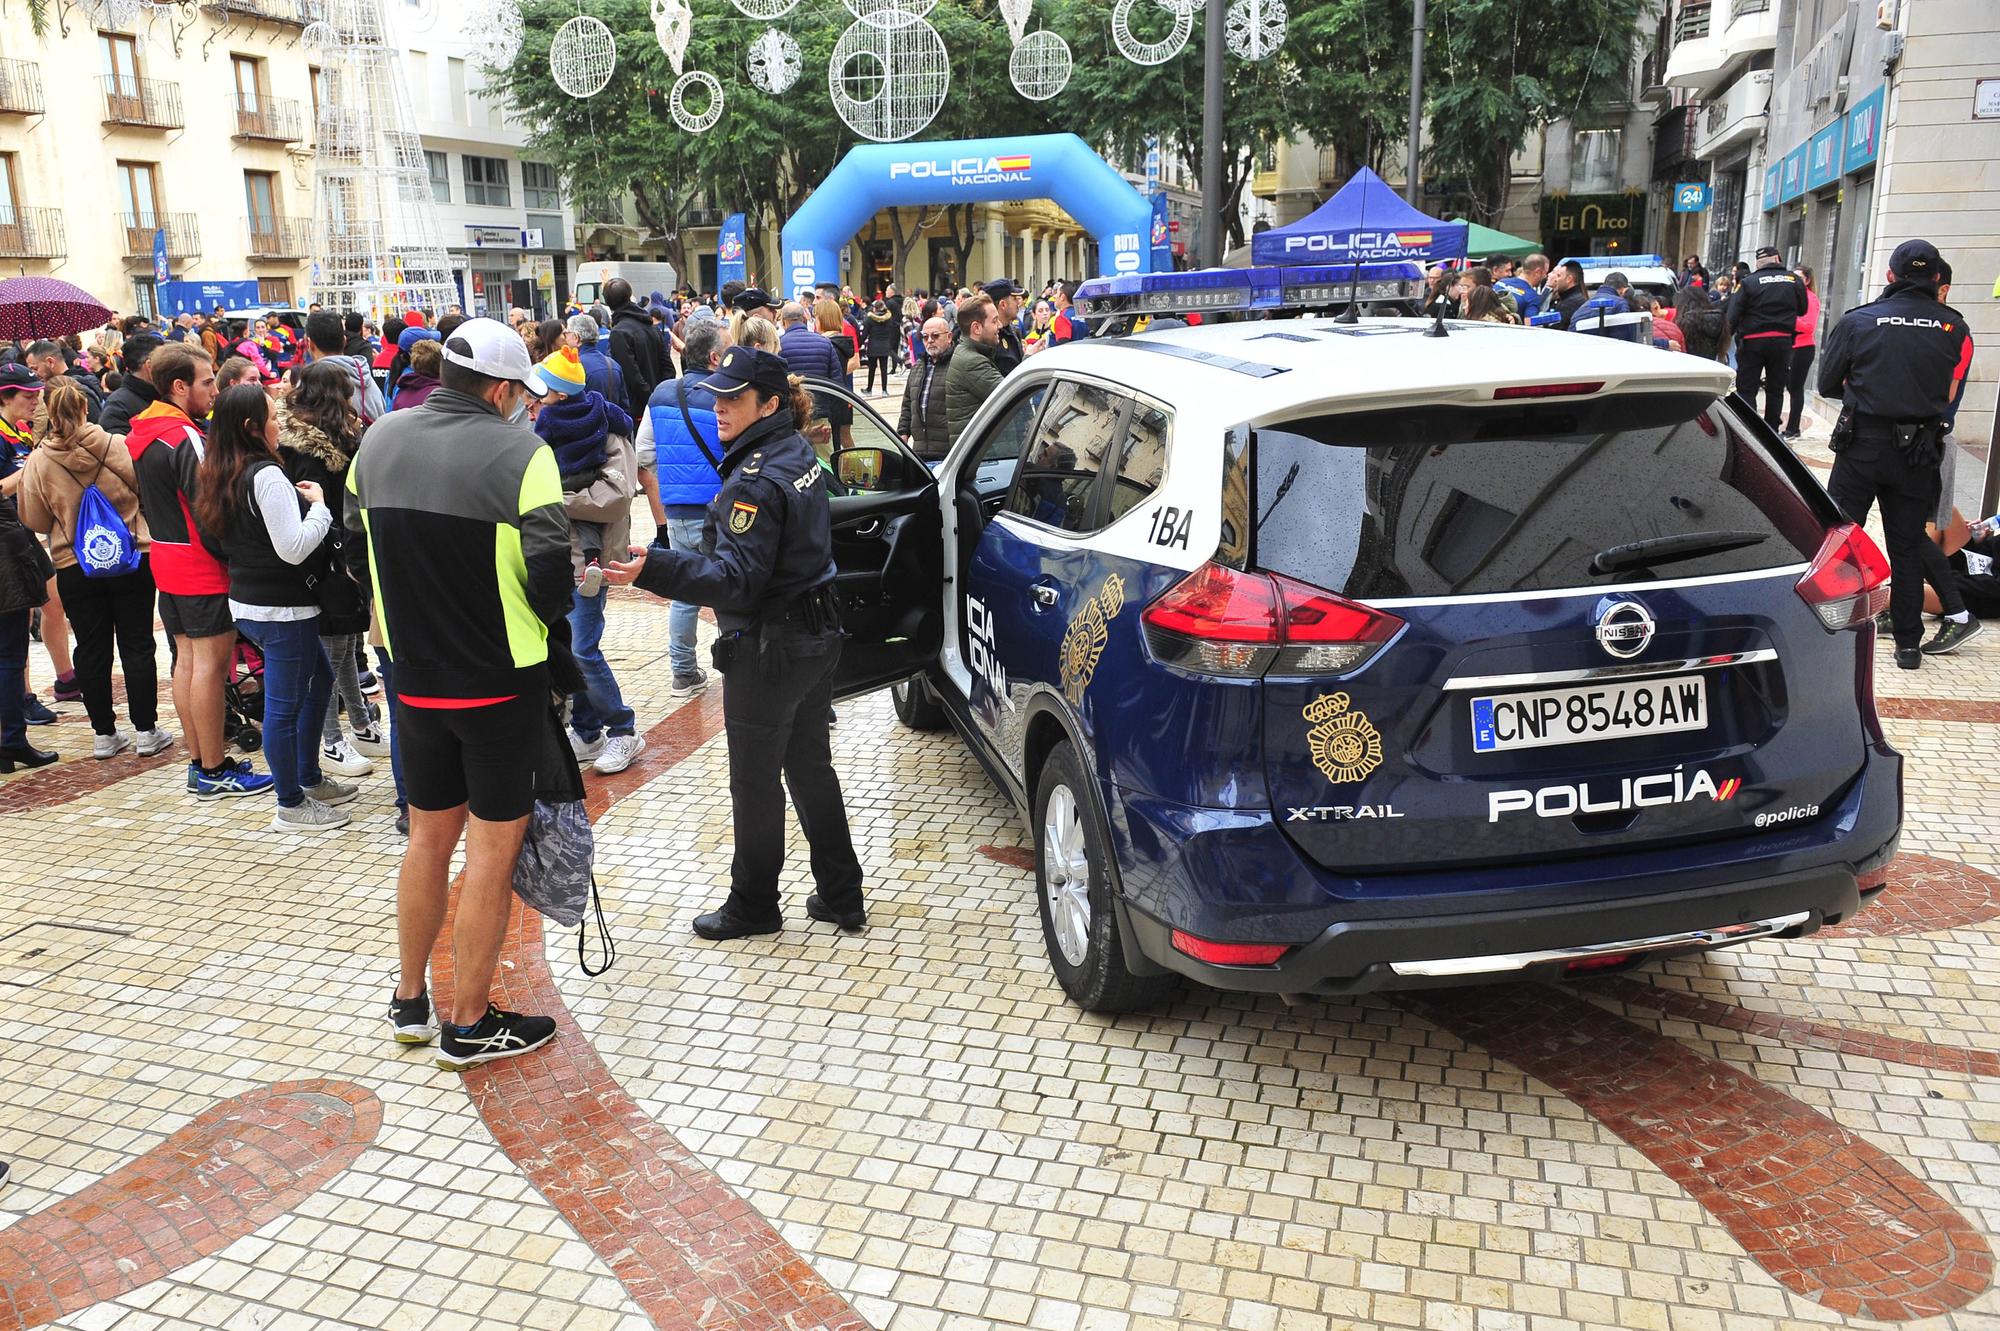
(1232, 876)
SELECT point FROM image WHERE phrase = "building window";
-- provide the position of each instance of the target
(1593, 165)
(274, 291)
(260, 197)
(316, 77)
(486, 181)
(121, 63)
(440, 171)
(145, 297)
(249, 74)
(540, 190)
(139, 191)
(8, 215)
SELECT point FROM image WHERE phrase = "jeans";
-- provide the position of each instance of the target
(104, 611)
(600, 707)
(779, 726)
(13, 660)
(298, 679)
(682, 534)
(386, 668)
(343, 653)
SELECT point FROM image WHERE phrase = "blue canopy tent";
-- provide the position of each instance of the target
(1365, 222)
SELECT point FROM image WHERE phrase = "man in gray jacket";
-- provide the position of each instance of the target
(974, 371)
(923, 422)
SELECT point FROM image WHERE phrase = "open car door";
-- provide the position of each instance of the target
(888, 543)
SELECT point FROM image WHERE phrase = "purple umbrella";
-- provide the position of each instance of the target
(44, 307)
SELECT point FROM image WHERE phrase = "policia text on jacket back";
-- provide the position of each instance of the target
(766, 566)
(1764, 315)
(1896, 364)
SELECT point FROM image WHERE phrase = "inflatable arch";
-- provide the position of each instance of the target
(1059, 167)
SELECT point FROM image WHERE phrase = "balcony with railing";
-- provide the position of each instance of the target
(278, 237)
(20, 88)
(183, 234)
(290, 13)
(1674, 135)
(1692, 22)
(1700, 56)
(31, 233)
(267, 119)
(1753, 27)
(142, 103)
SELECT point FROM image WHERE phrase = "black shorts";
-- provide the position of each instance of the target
(203, 616)
(481, 757)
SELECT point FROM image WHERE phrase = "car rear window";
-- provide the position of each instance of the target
(1454, 501)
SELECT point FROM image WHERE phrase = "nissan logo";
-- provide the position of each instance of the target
(1624, 628)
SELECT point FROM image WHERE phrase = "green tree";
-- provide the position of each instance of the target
(1498, 70)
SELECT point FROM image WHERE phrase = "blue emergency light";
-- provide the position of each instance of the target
(1237, 289)
(1616, 261)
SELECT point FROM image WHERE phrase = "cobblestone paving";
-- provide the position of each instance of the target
(912, 1129)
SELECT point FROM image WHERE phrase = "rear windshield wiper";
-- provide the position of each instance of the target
(1668, 549)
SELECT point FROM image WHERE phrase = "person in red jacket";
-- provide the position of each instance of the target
(166, 447)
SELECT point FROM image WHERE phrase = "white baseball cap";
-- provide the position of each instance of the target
(491, 348)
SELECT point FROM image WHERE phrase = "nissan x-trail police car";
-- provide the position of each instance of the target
(1326, 657)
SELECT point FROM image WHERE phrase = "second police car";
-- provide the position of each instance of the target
(1324, 657)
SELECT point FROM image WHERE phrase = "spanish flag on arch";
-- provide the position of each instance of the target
(1018, 162)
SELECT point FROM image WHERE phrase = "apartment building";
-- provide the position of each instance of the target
(164, 162)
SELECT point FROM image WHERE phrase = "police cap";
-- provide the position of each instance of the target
(753, 299)
(748, 367)
(1917, 261)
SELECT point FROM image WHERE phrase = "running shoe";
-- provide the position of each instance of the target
(111, 745)
(411, 1019)
(619, 751)
(1951, 635)
(309, 816)
(333, 793)
(66, 689)
(235, 777)
(36, 712)
(586, 750)
(494, 1036)
(154, 741)
(686, 686)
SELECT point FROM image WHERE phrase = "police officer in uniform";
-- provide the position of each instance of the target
(766, 566)
(1764, 314)
(1006, 295)
(1896, 364)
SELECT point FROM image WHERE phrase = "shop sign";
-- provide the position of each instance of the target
(1594, 214)
(1864, 132)
(1823, 157)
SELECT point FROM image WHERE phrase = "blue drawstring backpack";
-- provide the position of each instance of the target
(105, 547)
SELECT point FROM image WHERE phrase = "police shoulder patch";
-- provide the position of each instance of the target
(741, 515)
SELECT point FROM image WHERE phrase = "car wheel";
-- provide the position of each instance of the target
(1079, 926)
(916, 706)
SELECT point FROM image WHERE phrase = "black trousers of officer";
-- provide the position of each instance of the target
(1872, 468)
(1765, 360)
(778, 725)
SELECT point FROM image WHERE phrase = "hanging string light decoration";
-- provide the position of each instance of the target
(696, 122)
(319, 36)
(496, 34)
(766, 9)
(673, 24)
(1255, 29)
(1016, 13)
(774, 61)
(1140, 51)
(888, 79)
(582, 56)
(1188, 7)
(1040, 65)
(113, 13)
(889, 13)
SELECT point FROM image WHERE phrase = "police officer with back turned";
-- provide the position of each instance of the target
(1896, 364)
(1764, 314)
(766, 566)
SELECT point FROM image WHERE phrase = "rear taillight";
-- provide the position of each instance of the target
(1220, 621)
(1228, 954)
(1848, 583)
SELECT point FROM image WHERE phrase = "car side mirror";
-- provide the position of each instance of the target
(872, 470)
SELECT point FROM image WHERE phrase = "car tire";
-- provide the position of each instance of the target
(916, 706)
(1074, 889)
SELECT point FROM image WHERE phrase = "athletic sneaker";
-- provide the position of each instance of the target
(66, 689)
(586, 750)
(332, 793)
(340, 757)
(111, 745)
(154, 741)
(235, 777)
(309, 816)
(370, 682)
(496, 1035)
(686, 686)
(592, 581)
(36, 713)
(619, 751)
(411, 1018)
(370, 743)
(1951, 635)
(403, 820)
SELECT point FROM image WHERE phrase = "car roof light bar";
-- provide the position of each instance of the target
(1242, 289)
(1615, 261)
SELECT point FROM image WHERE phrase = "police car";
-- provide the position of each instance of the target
(1324, 657)
(1650, 273)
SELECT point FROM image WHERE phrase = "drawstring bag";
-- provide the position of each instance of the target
(105, 547)
(555, 873)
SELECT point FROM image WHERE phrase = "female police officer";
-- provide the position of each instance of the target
(766, 566)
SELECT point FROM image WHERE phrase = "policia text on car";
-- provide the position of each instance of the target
(1896, 364)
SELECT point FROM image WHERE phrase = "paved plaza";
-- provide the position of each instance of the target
(912, 1130)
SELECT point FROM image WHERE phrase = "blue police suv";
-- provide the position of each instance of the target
(1324, 657)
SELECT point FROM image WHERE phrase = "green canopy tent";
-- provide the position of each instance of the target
(1481, 241)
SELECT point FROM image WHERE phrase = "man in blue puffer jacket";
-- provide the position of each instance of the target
(687, 466)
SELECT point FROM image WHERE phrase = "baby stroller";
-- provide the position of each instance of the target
(243, 699)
